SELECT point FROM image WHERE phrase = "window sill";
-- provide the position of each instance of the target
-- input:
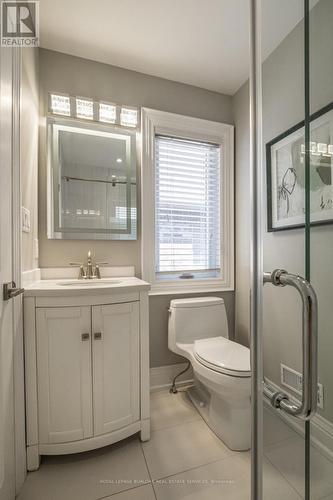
(187, 290)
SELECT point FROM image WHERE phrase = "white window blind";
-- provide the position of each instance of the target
(187, 209)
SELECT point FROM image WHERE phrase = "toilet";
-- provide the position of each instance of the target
(198, 330)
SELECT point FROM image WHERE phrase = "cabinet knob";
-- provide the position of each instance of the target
(98, 336)
(85, 336)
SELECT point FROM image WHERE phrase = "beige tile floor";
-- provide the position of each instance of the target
(284, 449)
(288, 458)
(183, 460)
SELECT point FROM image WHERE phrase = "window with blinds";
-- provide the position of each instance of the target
(187, 209)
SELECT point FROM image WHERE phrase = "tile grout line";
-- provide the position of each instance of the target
(284, 477)
(229, 455)
(202, 420)
(151, 479)
(196, 467)
(326, 496)
(122, 491)
(272, 446)
(197, 419)
(105, 497)
(191, 468)
(221, 460)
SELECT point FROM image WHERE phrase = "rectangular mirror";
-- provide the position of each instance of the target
(92, 191)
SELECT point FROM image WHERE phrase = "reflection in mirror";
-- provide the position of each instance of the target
(92, 181)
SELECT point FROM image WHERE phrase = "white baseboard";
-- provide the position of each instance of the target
(321, 429)
(161, 377)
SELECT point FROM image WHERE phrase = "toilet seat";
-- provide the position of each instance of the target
(224, 356)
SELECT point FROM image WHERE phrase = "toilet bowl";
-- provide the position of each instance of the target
(198, 330)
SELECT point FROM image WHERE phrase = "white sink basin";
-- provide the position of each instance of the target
(71, 286)
(91, 282)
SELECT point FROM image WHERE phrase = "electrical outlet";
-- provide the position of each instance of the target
(36, 244)
(320, 396)
(26, 222)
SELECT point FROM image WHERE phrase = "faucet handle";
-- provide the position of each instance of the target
(82, 273)
(97, 272)
(97, 269)
(102, 263)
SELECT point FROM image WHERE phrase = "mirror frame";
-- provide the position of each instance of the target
(54, 231)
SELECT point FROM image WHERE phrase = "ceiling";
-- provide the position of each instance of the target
(198, 42)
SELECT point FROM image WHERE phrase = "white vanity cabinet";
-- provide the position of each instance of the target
(64, 383)
(116, 366)
(87, 369)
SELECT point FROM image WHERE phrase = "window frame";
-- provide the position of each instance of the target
(154, 122)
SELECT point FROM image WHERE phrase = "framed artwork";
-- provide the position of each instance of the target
(285, 161)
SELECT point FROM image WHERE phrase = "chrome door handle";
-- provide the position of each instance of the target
(10, 290)
(308, 405)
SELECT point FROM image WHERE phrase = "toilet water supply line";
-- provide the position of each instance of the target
(173, 388)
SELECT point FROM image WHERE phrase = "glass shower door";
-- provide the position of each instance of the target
(321, 240)
(297, 241)
(289, 303)
(284, 237)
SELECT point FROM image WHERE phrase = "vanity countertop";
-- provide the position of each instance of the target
(71, 287)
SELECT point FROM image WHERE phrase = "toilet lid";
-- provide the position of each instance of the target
(224, 355)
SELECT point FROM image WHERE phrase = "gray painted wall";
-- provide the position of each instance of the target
(65, 73)
(241, 111)
(283, 107)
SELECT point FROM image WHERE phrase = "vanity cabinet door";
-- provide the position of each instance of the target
(64, 374)
(116, 368)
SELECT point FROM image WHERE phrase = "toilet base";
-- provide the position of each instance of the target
(231, 423)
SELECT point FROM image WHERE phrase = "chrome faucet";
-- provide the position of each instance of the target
(91, 271)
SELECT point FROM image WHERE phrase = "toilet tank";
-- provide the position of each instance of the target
(196, 318)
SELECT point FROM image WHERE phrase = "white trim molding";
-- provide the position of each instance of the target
(19, 402)
(321, 428)
(159, 122)
(161, 377)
